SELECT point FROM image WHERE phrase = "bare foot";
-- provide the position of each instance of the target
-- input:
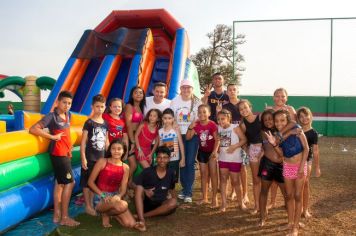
(214, 203)
(294, 232)
(301, 225)
(254, 212)
(140, 226)
(233, 196)
(317, 173)
(243, 207)
(90, 211)
(262, 223)
(285, 227)
(271, 206)
(203, 202)
(67, 221)
(245, 200)
(222, 208)
(306, 214)
(106, 221)
(56, 217)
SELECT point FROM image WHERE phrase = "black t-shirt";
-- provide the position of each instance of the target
(213, 100)
(312, 138)
(95, 146)
(234, 109)
(253, 131)
(149, 179)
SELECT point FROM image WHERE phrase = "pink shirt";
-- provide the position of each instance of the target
(205, 135)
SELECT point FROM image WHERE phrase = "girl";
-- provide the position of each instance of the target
(133, 117)
(251, 126)
(185, 107)
(116, 125)
(230, 158)
(295, 150)
(305, 118)
(206, 130)
(108, 181)
(146, 135)
(171, 138)
(271, 167)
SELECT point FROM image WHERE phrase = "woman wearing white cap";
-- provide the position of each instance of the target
(185, 107)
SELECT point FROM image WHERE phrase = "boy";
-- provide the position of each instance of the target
(93, 145)
(153, 186)
(58, 123)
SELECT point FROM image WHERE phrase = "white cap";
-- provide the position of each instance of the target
(186, 82)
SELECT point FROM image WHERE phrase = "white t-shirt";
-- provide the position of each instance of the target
(170, 139)
(183, 113)
(229, 137)
(150, 104)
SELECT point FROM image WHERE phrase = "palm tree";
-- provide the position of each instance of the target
(27, 89)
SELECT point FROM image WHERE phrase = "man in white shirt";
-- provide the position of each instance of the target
(158, 100)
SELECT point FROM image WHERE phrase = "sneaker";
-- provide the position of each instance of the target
(188, 200)
(181, 196)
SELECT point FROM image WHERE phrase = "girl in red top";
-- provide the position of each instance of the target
(146, 135)
(108, 180)
(116, 124)
(206, 130)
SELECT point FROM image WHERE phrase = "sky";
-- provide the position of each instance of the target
(38, 36)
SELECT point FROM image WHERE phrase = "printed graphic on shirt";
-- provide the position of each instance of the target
(204, 137)
(98, 139)
(170, 140)
(117, 133)
(184, 114)
(225, 138)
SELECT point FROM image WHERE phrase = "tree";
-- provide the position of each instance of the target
(218, 56)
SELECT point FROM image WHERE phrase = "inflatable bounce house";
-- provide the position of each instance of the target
(127, 48)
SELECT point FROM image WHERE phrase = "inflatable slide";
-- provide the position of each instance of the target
(126, 49)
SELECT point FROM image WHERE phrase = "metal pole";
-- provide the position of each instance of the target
(331, 56)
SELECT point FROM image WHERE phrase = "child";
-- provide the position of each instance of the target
(271, 167)
(92, 147)
(251, 126)
(305, 118)
(295, 150)
(109, 181)
(171, 138)
(206, 130)
(146, 135)
(116, 124)
(230, 159)
(58, 123)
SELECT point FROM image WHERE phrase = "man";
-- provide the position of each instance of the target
(158, 100)
(154, 193)
(216, 98)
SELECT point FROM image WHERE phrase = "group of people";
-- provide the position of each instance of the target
(166, 138)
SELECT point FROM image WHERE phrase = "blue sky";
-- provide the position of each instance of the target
(38, 36)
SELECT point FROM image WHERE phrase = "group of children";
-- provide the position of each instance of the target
(280, 153)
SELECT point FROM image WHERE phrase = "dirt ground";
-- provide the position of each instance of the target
(333, 205)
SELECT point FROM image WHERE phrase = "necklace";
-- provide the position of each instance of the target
(219, 97)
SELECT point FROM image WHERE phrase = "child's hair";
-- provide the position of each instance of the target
(204, 106)
(111, 102)
(280, 90)
(168, 111)
(98, 98)
(159, 115)
(116, 141)
(64, 94)
(279, 112)
(143, 102)
(159, 84)
(226, 113)
(265, 113)
(305, 111)
(163, 150)
(231, 84)
(244, 101)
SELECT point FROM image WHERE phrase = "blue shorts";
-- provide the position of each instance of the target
(97, 198)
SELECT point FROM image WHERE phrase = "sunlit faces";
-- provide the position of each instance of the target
(268, 121)
(167, 119)
(186, 91)
(280, 121)
(245, 109)
(224, 120)
(304, 118)
(203, 113)
(280, 98)
(98, 108)
(138, 95)
(64, 104)
(218, 81)
(232, 91)
(159, 93)
(162, 159)
(116, 150)
(116, 107)
(153, 117)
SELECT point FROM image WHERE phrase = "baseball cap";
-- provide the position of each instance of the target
(186, 82)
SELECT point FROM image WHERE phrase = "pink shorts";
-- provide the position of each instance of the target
(254, 152)
(290, 171)
(232, 166)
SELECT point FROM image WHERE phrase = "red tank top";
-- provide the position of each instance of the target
(110, 177)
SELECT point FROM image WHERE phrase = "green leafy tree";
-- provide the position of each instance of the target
(218, 56)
